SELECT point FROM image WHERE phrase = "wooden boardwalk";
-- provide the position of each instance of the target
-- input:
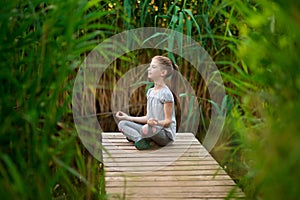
(183, 170)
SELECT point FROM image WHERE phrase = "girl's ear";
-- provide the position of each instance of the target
(164, 72)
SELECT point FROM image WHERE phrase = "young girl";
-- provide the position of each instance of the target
(159, 125)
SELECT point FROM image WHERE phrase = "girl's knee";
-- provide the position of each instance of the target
(121, 124)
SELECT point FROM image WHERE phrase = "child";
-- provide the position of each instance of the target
(159, 125)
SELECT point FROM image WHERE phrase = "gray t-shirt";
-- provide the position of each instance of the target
(155, 108)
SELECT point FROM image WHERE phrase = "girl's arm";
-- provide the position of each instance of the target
(141, 120)
(123, 116)
(168, 117)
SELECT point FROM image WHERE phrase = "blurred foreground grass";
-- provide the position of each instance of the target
(263, 127)
(41, 156)
(271, 49)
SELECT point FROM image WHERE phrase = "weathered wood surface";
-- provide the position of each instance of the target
(183, 170)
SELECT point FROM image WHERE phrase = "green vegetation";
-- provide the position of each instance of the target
(255, 45)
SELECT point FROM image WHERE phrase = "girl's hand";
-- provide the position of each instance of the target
(152, 122)
(122, 116)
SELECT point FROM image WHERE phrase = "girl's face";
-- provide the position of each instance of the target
(154, 71)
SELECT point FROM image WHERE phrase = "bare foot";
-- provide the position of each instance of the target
(145, 129)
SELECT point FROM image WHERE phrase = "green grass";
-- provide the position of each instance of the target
(40, 152)
(271, 53)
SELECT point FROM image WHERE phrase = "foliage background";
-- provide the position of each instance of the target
(254, 43)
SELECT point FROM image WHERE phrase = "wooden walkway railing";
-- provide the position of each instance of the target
(183, 170)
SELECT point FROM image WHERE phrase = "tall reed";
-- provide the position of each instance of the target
(41, 45)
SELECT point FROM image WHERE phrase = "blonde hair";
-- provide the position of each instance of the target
(166, 64)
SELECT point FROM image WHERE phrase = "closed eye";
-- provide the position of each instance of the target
(153, 66)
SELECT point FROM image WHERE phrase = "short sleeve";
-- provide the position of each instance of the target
(167, 97)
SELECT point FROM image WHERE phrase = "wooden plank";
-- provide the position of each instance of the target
(163, 155)
(167, 189)
(126, 144)
(170, 173)
(133, 182)
(170, 178)
(154, 168)
(199, 192)
(165, 151)
(182, 170)
(143, 162)
(154, 159)
(181, 195)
